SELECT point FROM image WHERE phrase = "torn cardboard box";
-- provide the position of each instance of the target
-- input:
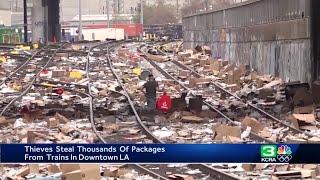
(52, 123)
(225, 131)
(61, 118)
(255, 125)
(308, 118)
(191, 119)
(82, 171)
(31, 135)
(302, 97)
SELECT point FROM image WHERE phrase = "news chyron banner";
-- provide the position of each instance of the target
(159, 153)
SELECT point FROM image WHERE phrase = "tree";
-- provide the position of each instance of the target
(160, 13)
(197, 5)
(194, 6)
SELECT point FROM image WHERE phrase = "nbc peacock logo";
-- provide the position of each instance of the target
(274, 153)
(284, 154)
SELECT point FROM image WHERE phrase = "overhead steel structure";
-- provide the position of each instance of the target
(46, 21)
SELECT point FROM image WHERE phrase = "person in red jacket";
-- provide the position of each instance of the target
(164, 103)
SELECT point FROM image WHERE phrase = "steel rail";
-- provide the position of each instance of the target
(242, 100)
(213, 172)
(145, 129)
(20, 67)
(168, 75)
(32, 82)
(91, 115)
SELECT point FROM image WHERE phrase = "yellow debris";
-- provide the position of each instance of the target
(48, 85)
(3, 59)
(75, 75)
(14, 52)
(137, 71)
(25, 48)
(17, 87)
(35, 46)
(216, 73)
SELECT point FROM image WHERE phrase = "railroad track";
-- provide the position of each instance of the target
(212, 172)
(19, 68)
(47, 54)
(253, 135)
(141, 168)
(288, 129)
(28, 86)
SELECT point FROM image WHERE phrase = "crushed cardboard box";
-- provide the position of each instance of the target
(191, 119)
(225, 131)
(255, 125)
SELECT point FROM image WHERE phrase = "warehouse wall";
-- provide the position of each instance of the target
(272, 36)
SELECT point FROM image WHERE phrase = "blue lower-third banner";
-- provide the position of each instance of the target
(159, 153)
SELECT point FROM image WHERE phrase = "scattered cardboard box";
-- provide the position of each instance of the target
(255, 125)
(248, 167)
(265, 133)
(207, 50)
(32, 134)
(74, 175)
(182, 56)
(309, 128)
(304, 110)
(34, 168)
(114, 172)
(314, 140)
(309, 118)
(225, 131)
(23, 172)
(281, 168)
(53, 169)
(66, 129)
(103, 92)
(191, 119)
(3, 121)
(232, 139)
(294, 121)
(302, 97)
(33, 115)
(233, 76)
(82, 171)
(52, 123)
(295, 140)
(307, 173)
(59, 73)
(272, 84)
(111, 128)
(61, 118)
(196, 81)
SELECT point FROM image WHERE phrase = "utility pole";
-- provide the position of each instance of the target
(177, 8)
(108, 12)
(141, 17)
(80, 21)
(141, 13)
(206, 4)
(25, 20)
